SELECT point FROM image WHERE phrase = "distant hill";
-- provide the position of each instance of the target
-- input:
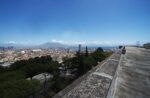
(147, 45)
(53, 45)
(45, 45)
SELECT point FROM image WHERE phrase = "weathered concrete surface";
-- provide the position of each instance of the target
(133, 74)
(94, 84)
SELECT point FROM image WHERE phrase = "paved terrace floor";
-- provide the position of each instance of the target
(133, 74)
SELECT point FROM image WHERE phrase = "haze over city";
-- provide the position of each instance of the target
(104, 22)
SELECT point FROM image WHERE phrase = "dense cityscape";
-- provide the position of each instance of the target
(12, 55)
(9, 55)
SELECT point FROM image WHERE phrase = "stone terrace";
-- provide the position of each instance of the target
(133, 74)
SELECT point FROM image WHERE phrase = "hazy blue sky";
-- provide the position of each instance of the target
(74, 21)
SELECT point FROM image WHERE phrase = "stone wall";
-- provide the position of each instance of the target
(96, 83)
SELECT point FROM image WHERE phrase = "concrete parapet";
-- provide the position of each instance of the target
(95, 83)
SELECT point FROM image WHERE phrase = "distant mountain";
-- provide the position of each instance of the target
(50, 45)
(45, 45)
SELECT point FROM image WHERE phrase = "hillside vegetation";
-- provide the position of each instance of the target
(147, 45)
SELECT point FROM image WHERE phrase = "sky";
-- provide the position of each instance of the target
(106, 22)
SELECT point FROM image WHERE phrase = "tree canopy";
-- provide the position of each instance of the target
(147, 45)
(13, 80)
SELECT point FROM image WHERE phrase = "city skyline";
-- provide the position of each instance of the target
(103, 22)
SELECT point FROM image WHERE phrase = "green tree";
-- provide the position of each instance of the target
(89, 62)
(99, 54)
(147, 45)
(11, 75)
(18, 88)
(32, 69)
(86, 51)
